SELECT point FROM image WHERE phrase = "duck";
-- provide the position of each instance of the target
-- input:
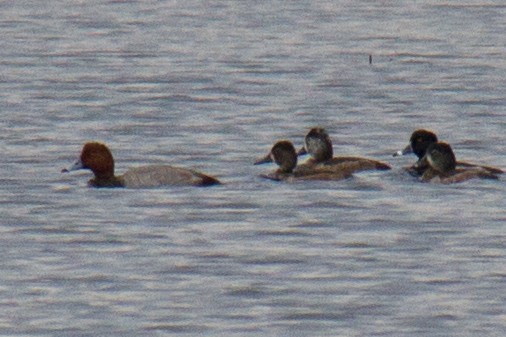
(283, 153)
(97, 157)
(420, 141)
(441, 167)
(318, 145)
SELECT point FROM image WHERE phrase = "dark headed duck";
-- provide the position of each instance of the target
(441, 166)
(420, 141)
(318, 145)
(284, 155)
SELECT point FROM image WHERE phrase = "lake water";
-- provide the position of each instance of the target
(212, 85)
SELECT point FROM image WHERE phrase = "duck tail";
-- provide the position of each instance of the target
(488, 175)
(493, 170)
(382, 166)
(209, 181)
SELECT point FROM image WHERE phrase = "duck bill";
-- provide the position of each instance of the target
(302, 151)
(78, 165)
(407, 150)
(266, 159)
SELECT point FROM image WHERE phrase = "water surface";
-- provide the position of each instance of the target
(212, 85)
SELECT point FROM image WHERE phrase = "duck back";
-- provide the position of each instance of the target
(165, 175)
(360, 164)
(457, 176)
(490, 169)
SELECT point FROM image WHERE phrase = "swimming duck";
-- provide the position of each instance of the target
(318, 144)
(284, 155)
(420, 141)
(442, 166)
(98, 158)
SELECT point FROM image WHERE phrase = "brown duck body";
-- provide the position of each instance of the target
(356, 164)
(456, 176)
(318, 145)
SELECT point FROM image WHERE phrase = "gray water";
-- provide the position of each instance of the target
(212, 85)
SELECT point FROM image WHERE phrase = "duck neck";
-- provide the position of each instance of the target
(323, 156)
(284, 170)
(106, 182)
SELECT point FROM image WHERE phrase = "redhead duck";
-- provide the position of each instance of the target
(442, 166)
(284, 155)
(319, 146)
(98, 158)
(420, 141)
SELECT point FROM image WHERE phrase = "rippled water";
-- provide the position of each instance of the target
(212, 85)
